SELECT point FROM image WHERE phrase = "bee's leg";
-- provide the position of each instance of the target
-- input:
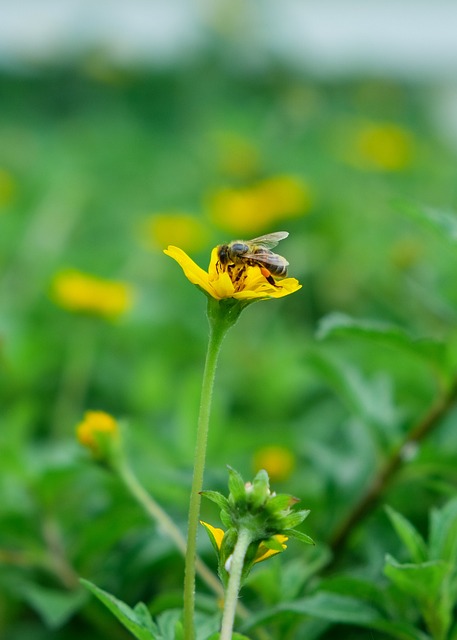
(267, 275)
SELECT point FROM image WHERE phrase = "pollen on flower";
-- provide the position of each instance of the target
(247, 284)
(80, 292)
(96, 429)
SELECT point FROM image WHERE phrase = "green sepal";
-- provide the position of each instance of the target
(260, 490)
(281, 502)
(298, 535)
(237, 488)
(216, 497)
(295, 518)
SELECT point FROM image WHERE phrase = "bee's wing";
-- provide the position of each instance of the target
(270, 240)
(267, 258)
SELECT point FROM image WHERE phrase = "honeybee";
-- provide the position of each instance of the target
(255, 252)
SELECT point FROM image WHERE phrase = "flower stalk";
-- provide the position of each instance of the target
(234, 583)
(218, 328)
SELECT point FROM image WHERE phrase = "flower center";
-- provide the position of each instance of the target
(237, 274)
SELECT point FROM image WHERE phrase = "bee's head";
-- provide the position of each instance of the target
(223, 253)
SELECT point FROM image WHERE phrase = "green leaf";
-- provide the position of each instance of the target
(409, 535)
(342, 610)
(371, 399)
(133, 620)
(422, 581)
(55, 607)
(340, 324)
(166, 624)
(445, 222)
(235, 636)
(443, 533)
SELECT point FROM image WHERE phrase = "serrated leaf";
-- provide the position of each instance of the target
(54, 606)
(127, 616)
(409, 535)
(340, 324)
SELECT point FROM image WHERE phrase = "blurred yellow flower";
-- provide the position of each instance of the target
(219, 284)
(383, 146)
(97, 431)
(250, 209)
(278, 462)
(180, 229)
(263, 552)
(80, 292)
(7, 187)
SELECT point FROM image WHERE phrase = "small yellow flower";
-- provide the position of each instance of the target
(76, 291)
(278, 462)
(97, 431)
(251, 209)
(218, 284)
(177, 228)
(263, 552)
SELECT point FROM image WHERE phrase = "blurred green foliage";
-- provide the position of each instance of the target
(85, 159)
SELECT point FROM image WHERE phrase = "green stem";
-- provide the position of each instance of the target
(218, 330)
(233, 587)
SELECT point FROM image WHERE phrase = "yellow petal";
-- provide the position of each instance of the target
(217, 534)
(264, 552)
(253, 284)
(192, 271)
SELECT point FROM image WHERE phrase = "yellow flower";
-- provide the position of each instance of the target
(97, 432)
(277, 461)
(76, 291)
(263, 552)
(251, 209)
(384, 146)
(219, 285)
(178, 228)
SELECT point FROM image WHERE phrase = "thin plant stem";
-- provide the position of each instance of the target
(394, 462)
(166, 524)
(217, 333)
(157, 513)
(233, 587)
